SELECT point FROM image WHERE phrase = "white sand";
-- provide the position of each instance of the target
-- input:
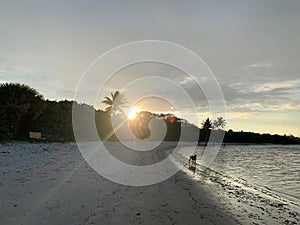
(52, 184)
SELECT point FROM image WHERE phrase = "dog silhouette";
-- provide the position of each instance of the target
(192, 162)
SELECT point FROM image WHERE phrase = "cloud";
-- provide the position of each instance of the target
(260, 107)
(240, 115)
(41, 79)
(270, 86)
(259, 97)
(260, 65)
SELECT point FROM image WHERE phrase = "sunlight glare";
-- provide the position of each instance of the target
(132, 113)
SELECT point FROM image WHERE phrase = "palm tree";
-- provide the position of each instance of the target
(205, 130)
(206, 124)
(219, 122)
(115, 102)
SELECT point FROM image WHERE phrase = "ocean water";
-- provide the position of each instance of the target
(276, 167)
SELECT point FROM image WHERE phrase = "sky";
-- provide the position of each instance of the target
(252, 47)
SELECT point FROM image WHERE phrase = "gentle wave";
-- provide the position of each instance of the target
(275, 167)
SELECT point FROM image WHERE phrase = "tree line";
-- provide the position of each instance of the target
(23, 109)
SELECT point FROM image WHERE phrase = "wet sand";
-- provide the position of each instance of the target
(52, 184)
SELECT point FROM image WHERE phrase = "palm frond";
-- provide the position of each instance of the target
(115, 102)
(108, 102)
(107, 109)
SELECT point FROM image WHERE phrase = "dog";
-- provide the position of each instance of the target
(192, 162)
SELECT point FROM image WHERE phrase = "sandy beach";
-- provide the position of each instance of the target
(50, 183)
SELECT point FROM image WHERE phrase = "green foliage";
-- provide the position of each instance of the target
(18, 94)
(9, 120)
(140, 125)
(55, 122)
(251, 137)
(104, 126)
(20, 105)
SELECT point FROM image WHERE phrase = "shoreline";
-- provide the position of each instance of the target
(50, 183)
(225, 180)
(188, 143)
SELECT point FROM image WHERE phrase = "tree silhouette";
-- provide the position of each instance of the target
(205, 129)
(206, 124)
(20, 105)
(18, 94)
(219, 123)
(115, 102)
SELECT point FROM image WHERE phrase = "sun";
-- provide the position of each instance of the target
(132, 112)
